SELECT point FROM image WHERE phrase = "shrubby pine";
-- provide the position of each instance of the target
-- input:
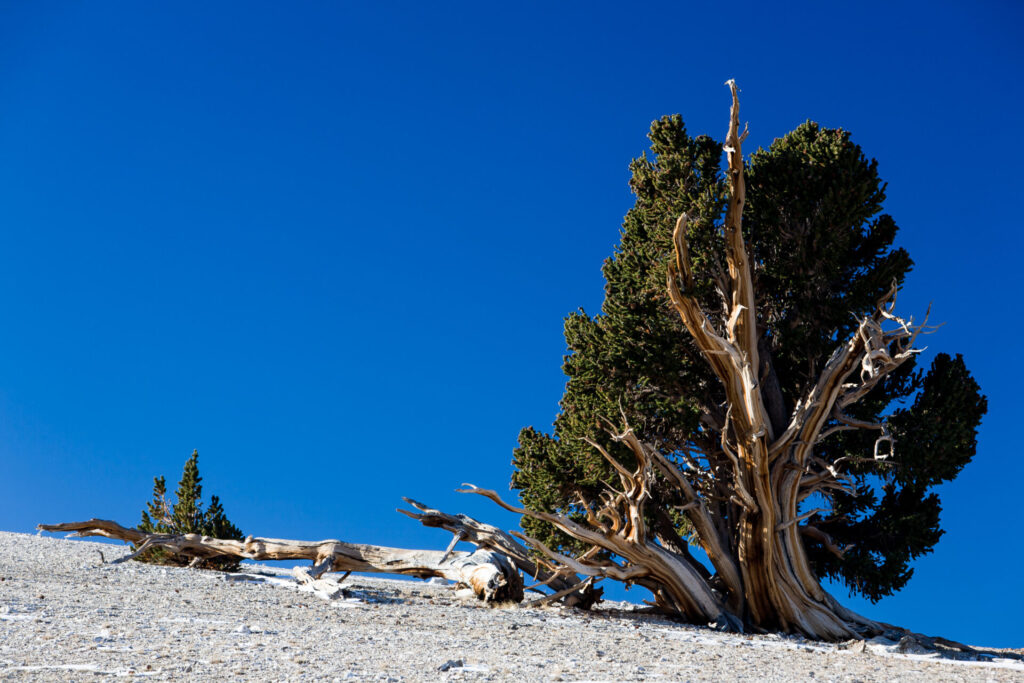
(185, 515)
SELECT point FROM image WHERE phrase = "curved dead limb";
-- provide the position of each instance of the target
(872, 351)
(869, 355)
(488, 537)
(697, 513)
(676, 581)
(826, 541)
(586, 585)
(491, 576)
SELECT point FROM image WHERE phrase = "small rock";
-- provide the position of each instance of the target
(910, 645)
(451, 664)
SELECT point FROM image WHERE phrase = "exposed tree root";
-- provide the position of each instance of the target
(915, 643)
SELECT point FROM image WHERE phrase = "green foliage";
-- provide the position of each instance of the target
(822, 255)
(186, 516)
(935, 438)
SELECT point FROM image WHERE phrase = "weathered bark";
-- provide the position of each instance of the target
(572, 592)
(490, 574)
(679, 585)
(779, 589)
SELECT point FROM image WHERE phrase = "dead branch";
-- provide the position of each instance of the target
(490, 574)
(488, 537)
(585, 585)
(681, 583)
(826, 541)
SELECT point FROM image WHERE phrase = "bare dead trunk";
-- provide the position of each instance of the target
(491, 576)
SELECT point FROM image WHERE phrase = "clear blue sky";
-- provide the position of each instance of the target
(330, 245)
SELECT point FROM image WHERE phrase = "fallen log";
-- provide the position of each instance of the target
(491, 576)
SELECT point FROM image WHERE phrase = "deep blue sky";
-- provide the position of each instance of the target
(330, 245)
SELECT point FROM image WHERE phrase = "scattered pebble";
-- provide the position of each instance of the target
(169, 623)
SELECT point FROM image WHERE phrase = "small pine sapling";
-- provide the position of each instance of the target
(185, 515)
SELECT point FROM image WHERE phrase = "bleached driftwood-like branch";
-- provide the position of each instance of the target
(490, 574)
(487, 537)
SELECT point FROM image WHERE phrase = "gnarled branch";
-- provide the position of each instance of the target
(491, 576)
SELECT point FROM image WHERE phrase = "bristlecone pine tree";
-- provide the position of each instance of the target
(748, 388)
(186, 516)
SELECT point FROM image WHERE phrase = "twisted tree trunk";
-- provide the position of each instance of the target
(764, 462)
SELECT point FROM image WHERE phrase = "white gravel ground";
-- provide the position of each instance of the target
(66, 616)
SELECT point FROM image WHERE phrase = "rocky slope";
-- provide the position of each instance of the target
(67, 615)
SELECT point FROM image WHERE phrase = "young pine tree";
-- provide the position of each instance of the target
(185, 515)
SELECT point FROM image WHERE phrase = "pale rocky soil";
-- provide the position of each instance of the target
(65, 616)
